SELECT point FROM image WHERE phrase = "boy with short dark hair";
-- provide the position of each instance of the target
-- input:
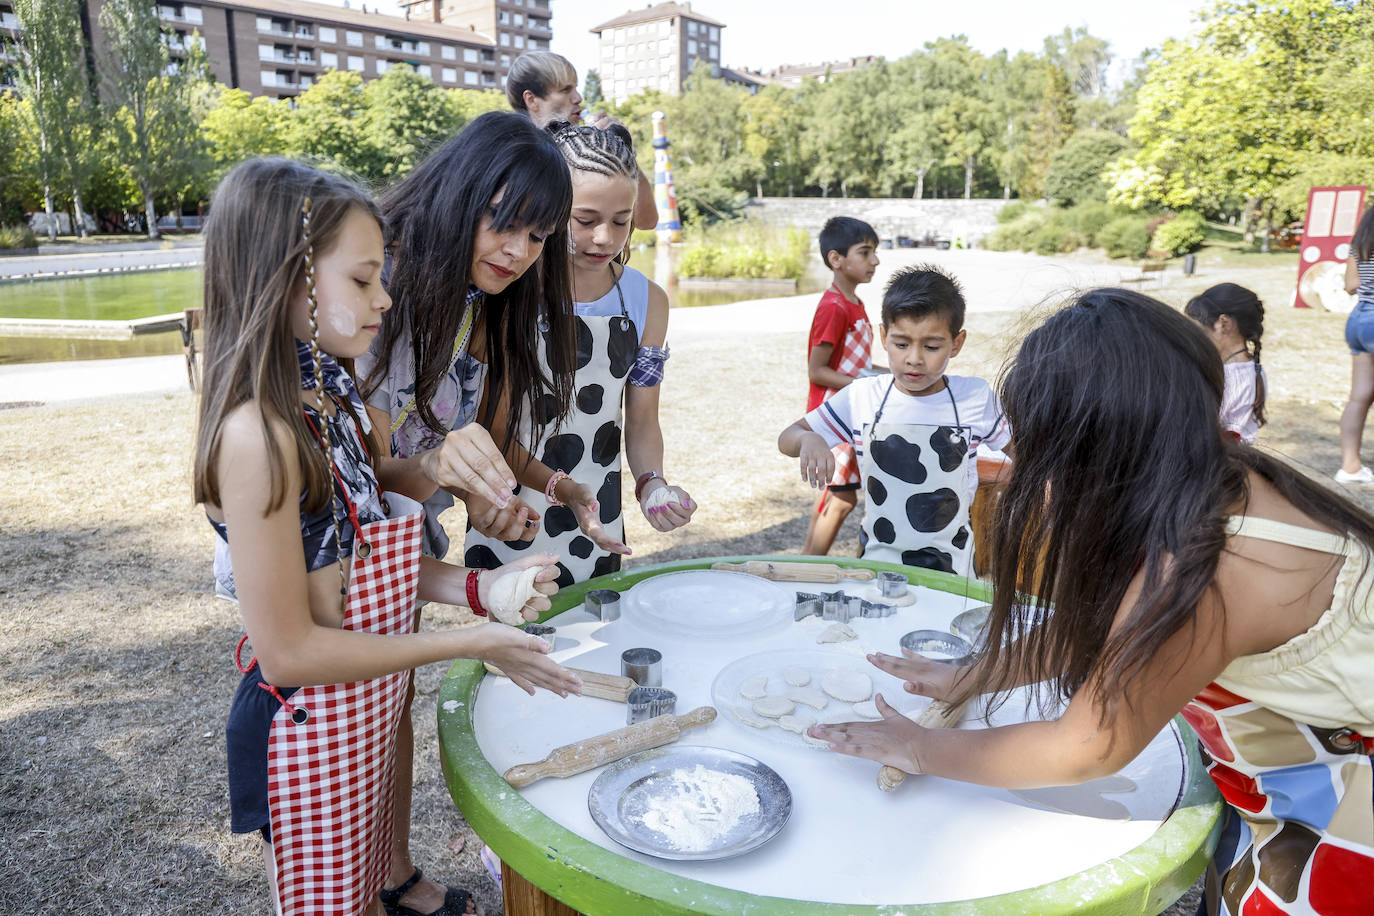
(838, 349)
(915, 433)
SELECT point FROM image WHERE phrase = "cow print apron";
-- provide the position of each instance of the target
(916, 476)
(586, 446)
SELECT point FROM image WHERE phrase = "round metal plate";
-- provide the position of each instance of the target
(621, 794)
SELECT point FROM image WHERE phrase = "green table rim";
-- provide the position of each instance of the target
(596, 880)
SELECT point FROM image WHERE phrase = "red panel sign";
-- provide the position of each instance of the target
(1332, 215)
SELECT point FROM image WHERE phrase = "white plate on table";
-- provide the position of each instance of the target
(707, 604)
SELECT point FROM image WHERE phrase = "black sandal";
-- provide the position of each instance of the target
(456, 900)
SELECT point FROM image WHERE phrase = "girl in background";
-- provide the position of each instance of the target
(622, 322)
(1359, 336)
(1233, 317)
(327, 570)
(1228, 586)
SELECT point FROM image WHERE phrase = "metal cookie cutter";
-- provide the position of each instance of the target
(645, 703)
(604, 604)
(542, 630)
(938, 646)
(892, 585)
(808, 605)
(871, 609)
(642, 665)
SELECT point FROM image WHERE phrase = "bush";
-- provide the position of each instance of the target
(646, 237)
(1184, 233)
(1075, 173)
(1014, 210)
(17, 237)
(1016, 235)
(746, 250)
(1125, 237)
(1091, 218)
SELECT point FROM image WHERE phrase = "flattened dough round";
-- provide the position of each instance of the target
(808, 696)
(754, 687)
(796, 675)
(798, 723)
(748, 718)
(847, 686)
(773, 707)
(868, 709)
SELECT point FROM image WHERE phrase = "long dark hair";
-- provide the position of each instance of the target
(1121, 466)
(255, 258)
(1362, 245)
(1247, 311)
(432, 217)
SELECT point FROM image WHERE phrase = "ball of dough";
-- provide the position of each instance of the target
(874, 594)
(847, 686)
(808, 696)
(796, 675)
(509, 593)
(774, 707)
(837, 632)
(754, 687)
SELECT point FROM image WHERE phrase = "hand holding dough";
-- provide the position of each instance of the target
(510, 590)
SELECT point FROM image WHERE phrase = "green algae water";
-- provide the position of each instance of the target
(106, 297)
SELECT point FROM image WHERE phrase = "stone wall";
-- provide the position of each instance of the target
(966, 220)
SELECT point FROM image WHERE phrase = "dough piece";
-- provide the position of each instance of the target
(816, 742)
(755, 687)
(837, 632)
(660, 497)
(748, 718)
(774, 707)
(796, 676)
(798, 723)
(808, 696)
(874, 594)
(868, 709)
(847, 686)
(510, 592)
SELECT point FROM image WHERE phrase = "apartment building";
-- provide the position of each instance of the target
(517, 25)
(655, 48)
(794, 75)
(278, 48)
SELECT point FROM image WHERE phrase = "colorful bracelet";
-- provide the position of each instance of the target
(475, 603)
(642, 481)
(552, 485)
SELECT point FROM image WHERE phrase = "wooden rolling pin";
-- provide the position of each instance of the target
(581, 756)
(938, 714)
(594, 684)
(796, 572)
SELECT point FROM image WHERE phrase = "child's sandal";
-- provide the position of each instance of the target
(456, 900)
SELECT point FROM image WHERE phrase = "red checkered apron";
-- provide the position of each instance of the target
(856, 354)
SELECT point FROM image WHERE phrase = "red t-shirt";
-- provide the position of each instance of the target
(835, 315)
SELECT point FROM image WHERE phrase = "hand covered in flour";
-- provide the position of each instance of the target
(469, 461)
(519, 591)
(523, 658)
(817, 461)
(516, 521)
(582, 501)
(922, 676)
(666, 507)
(894, 741)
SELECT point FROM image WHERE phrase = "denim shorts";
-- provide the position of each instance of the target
(1359, 328)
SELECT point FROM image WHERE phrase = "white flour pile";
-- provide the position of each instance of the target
(696, 808)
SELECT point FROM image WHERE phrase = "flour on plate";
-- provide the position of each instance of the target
(696, 809)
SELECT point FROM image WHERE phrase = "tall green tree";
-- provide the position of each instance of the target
(182, 98)
(915, 145)
(239, 126)
(135, 71)
(407, 116)
(966, 118)
(53, 76)
(1051, 125)
(330, 123)
(18, 172)
(591, 89)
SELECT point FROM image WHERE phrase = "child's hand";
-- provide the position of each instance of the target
(524, 659)
(469, 460)
(511, 593)
(894, 741)
(582, 501)
(666, 507)
(517, 521)
(817, 462)
(923, 677)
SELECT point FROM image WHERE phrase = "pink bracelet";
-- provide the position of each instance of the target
(552, 485)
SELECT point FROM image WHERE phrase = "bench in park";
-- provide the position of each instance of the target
(1151, 272)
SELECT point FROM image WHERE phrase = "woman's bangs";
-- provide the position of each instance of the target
(536, 194)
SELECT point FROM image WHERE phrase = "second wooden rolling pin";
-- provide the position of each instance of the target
(796, 572)
(581, 756)
(938, 714)
(594, 683)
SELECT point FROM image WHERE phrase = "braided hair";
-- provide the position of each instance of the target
(1247, 311)
(608, 152)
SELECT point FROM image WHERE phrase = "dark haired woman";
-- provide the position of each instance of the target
(1186, 572)
(1359, 336)
(477, 237)
(1233, 317)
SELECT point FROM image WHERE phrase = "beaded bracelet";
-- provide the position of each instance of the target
(554, 479)
(642, 481)
(475, 603)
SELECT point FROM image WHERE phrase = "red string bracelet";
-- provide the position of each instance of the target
(474, 603)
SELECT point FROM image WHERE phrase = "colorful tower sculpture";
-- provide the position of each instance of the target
(665, 195)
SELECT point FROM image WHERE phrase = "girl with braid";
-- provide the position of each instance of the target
(622, 324)
(1233, 317)
(327, 568)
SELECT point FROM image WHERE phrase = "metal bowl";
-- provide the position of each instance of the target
(938, 646)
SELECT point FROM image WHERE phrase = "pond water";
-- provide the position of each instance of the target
(126, 296)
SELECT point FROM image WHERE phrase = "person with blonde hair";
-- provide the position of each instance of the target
(543, 85)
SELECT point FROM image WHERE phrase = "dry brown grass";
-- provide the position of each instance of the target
(117, 659)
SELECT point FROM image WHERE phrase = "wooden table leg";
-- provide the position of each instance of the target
(524, 899)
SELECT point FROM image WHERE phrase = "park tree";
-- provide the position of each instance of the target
(330, 124)
(915, 146)
(183, 96)
(239, 126)
(1011, 87)
(710, 163)
(406, 115)
(966, 119)
(1051, 125)
(770, 128)
(591, 89)
(18, 171)
(136, 76)
(53, 77)
(469, 103)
